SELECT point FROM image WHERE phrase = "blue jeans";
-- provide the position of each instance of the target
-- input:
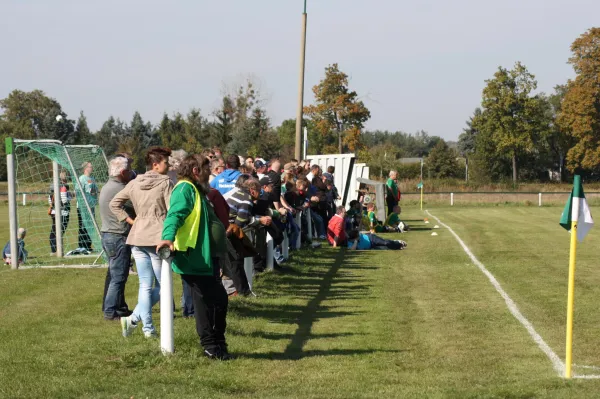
(293, 231)
(119, 257)
(148, 266)
(318, 223)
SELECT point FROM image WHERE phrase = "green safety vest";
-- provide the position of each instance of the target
(187, 235)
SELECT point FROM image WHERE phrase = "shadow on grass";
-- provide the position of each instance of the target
(316, 285)
(299, 354)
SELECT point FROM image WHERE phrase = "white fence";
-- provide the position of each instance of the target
(342, 164)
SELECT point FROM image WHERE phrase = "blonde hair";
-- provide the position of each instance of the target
(21, 233)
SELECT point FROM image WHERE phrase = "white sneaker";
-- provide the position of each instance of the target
(402, 244)
(150, 334)
(127, 326)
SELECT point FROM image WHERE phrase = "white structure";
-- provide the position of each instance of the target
(343, 163)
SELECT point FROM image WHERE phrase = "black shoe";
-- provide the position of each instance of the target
(225, 355)
(124, 313)
(217, 354)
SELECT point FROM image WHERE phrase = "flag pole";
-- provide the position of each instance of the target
(571, 287)
(571, 299)
(421, 196)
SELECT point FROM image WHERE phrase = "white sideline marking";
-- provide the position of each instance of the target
(558, 364)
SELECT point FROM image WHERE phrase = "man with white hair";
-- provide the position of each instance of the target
(114, 237)
(393, 192)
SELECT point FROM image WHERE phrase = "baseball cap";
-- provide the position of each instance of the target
(259, 163)
(265, 181)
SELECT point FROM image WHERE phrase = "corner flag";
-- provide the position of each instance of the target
(577, 210)
(576, 218)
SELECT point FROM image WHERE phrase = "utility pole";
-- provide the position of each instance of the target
(298, 147)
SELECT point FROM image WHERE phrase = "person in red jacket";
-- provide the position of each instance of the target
(336, 233)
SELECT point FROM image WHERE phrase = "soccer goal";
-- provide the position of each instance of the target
(53, 193)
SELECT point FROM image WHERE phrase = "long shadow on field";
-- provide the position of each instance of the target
(312, 312)
(316, 285)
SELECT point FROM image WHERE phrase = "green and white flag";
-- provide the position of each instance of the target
(577, 210)
(420, 185)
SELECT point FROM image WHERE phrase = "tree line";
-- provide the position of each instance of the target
(515, 134)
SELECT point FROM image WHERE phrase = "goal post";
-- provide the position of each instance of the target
(59, 185)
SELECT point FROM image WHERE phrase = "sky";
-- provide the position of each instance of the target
(415, 64)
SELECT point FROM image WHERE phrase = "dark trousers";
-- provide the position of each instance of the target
(234, 269)
(64, 221)
(381, 243)
(119, 260)
(391, 203)
(210, 308)
(276, 232)
(84, 239)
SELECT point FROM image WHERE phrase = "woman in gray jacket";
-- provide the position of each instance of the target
(150, 194)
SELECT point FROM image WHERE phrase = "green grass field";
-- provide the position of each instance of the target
(424, 322)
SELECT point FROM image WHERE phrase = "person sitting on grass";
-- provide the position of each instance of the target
(336, 232)
(375, 225)
(362, 241)
(20, 248)
(354, 215)
(394, 223)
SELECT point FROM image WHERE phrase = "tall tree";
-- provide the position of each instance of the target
(172, 131)
(337, 110)
(196, 132)
(467, 139)
(441, 161)
(580, 110)
(82, 131)
(32, 115)
(510, 115)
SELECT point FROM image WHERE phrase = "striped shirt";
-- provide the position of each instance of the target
(65, 200)
(240, 207)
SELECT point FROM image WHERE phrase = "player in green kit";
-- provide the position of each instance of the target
(393, 221)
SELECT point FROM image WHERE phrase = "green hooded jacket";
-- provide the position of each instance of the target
(196, 260)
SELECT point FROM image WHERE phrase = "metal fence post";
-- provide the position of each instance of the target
(540, 199)
(12, 203)
(451, 199)
(269, 265)
(57, 210)
(249, 263)
(285, 246)
(309, 222)
(167, 343)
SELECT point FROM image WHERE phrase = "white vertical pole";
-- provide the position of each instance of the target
(24, 199)
(451, 199)
(285, 246)
(167, 343)
(305, 146)
(309, 221)
(540, 199)
(269, 264)
(249, 264)
(299, 223)
(57, 209)
(12, 203)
